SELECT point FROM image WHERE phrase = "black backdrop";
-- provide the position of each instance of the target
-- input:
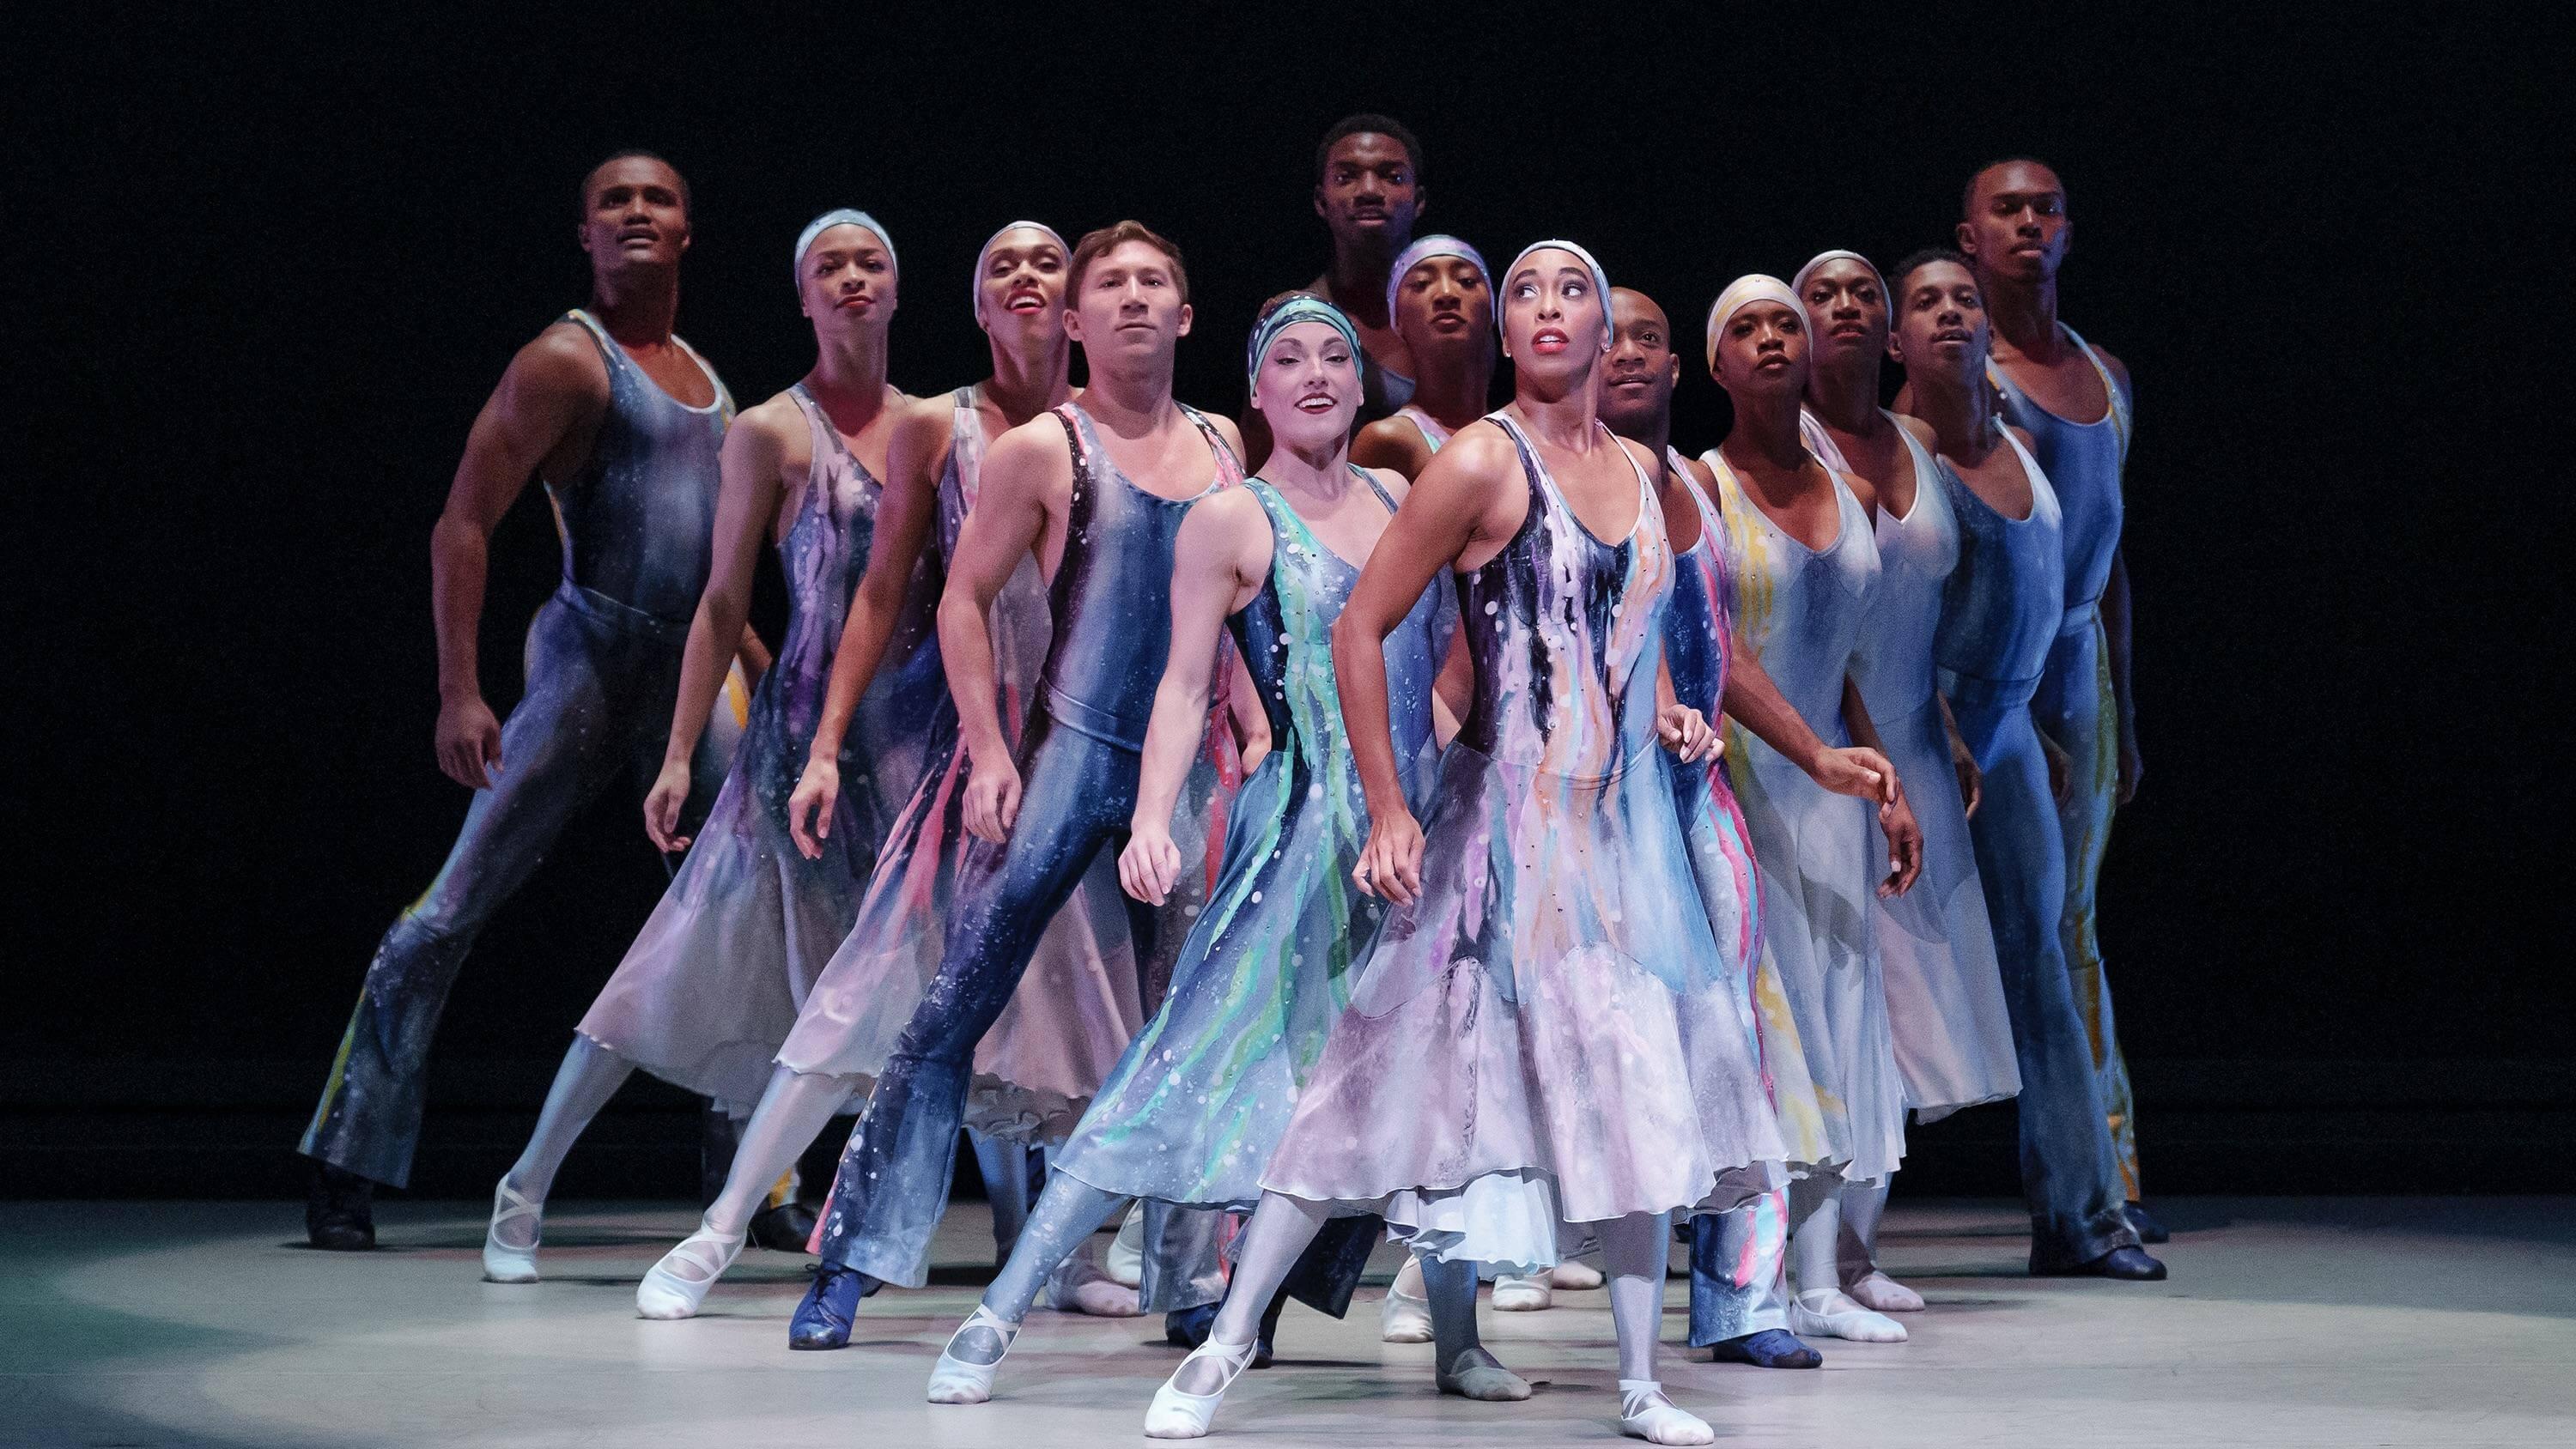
(263, 273)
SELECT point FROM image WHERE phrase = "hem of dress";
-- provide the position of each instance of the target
(1935, 1111)
(1542, 1239)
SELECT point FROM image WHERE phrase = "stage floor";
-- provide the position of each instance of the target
(2287, 1322)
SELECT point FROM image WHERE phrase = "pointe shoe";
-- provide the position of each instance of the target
(1644, 1413)
(1830, 1313)
(1575, 1275)
(1125, 1260)
(1403, 1318)
(955, 1381)
(1477, 1374)
(674, 1287)
(340, 1210)
(503, 1263)
(1884, 1294)
(1078, 1286)
(1771, 1348)
(1514, 1293)
(1178, 1415)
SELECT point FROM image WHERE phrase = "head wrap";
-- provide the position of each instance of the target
(1600, 279)
(984, 254)
(1798, 283)
(1304, 307)
(1743, 291)
(838, 216)
(1423, 250)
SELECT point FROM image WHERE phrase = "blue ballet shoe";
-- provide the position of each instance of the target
(2148, 1227)
(1771, 1348)
(2132, 1265)
(823, 1317)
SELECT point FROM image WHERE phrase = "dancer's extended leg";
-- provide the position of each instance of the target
(792, 1109)
(1280, 1229)
(1857, 1261)
(1461, 1364)
(1004, 1166)
(1633, 1250)
(589, 1076)
(1821, 1308)
(1066, 1216)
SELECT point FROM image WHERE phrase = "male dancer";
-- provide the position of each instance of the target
(1098, 489)
(622, 421)
(2014, 231)
(1441, 303)
(1368, 190)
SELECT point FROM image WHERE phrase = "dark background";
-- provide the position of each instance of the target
(262, 273)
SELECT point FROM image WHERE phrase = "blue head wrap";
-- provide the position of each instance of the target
(1423, 250)
(1600, 279)
(837, 216)
(1304, 307)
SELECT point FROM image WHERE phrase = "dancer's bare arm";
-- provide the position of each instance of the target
(1222, 555)
(1020, 501)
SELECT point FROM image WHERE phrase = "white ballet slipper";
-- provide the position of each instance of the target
(1477, 1374)
(1516, 1294)
(1574, 1274)
(1829, 1313)
(955, 1381)
(1403, 1317)
(1178, 1415)
(1644, 1413)
(1885, 1294)
(503, 1263)
(1078, 1286)
(1125, 1260)
(674, 1287)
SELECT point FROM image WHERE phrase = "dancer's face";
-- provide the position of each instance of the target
(1554, 319)
(1368, 197)
(1846, 314)
(1129, 306)
(1940, 322)
(1762, 351)
(1637, 377)
(1021, 292)
(1308, 388)
(2016, 224)
(848, 280)
(634, 216)
(1443, 305)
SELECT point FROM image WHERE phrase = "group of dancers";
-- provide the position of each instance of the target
(1489, 828)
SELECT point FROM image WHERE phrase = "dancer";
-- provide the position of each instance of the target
(1442, 305)
(1201, 1095)
(622, 421)
(1798, 549)
(1999, 615)
(1102, 516)
(715, 979)
(1368, 190)
(2014, 230)
(1945, 1002)
(1541, 1047)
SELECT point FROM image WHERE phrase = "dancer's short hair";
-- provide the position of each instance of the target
(1968, 192)
(1093, 243)
(634, 154)
(1917, 260)
(1372, 122)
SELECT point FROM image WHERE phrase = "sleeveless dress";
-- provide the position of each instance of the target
(1203, 1093)
(717, 976)
(1077, 1007)
(1936, 949)
(1433, 431)
(1549, 1035)
(1799, 610)
(2075, 705)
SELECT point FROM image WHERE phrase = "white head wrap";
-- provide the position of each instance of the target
(1742, 292)
(1798, 283)
(985, 253)
(1423, 250)
(838, 216)
(1600, 279)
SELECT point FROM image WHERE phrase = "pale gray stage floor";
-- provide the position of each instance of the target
(2287, 1323)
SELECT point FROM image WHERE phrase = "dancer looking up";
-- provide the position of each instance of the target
(621, 420)
(1998, 623)
(1796, 540)
(1482, 1092)
(1945, 1002)
(1199, 1099)
(2015, 232)
(1442, 303)
(716, 977)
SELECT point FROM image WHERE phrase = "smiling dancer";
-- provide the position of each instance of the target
(1796, 538)
(1102, 516)
(1999, 614)
(1200, 1097)
(622, 421)
(1441, 302)
(1936, 950)
(716, 977)
(2015, 232)
(1542, 1046)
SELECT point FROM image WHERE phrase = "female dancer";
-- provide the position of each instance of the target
(1796, 539)
(1545, 1001)
(2000, 612)
(1201, 1095)
(715, 979)
(1945, 998)
(1441, 302)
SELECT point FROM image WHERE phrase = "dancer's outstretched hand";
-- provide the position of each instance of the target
(468, 740)
(1904, 845)
(1391, 863)
(662, 805)
(809, 809)
(992, 798)
(1862, 773)
(1150, 864)
(1686, 733)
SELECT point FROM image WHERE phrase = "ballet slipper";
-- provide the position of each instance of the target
(1573, 1274)
(1078, 1286)
(1515, 1293)
(1125, 1260)
(674, 1287)
(1477, 1374)
(1405, 1316)
(1829, 1313)
(1178, 1415)
(1644, 1413)
(503, 1262)
(955, 1381)
(1877, 1290)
